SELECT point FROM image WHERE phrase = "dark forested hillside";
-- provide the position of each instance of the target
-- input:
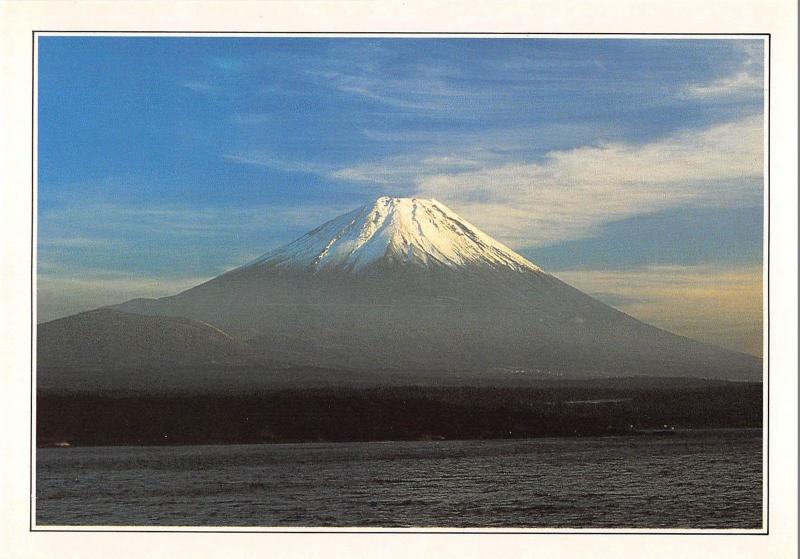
(576, 408)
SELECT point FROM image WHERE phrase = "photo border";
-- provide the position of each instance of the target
(763, 531)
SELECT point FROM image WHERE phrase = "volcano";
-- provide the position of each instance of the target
(405, 284)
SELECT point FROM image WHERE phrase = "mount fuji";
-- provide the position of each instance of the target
(405, 284)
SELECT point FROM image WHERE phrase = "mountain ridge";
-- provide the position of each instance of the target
(112, 338)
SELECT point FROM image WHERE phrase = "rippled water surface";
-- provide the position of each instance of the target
(692, 479)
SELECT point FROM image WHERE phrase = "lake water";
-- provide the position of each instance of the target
(692, 479)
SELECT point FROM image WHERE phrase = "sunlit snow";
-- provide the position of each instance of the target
(409, 230)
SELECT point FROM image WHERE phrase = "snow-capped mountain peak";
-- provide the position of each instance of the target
(414, 231)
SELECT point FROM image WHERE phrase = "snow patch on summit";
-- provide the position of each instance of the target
(414, 231)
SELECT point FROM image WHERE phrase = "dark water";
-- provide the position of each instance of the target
(693, 479)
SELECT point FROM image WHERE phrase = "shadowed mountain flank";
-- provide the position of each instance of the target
(108, 338)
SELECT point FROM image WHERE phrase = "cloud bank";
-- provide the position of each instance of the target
(569, 193)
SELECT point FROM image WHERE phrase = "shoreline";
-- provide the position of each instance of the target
(651, 433)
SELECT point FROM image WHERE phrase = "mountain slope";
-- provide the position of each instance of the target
(408, 284)
(107, 338)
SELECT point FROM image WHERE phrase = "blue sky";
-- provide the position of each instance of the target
(165, 161)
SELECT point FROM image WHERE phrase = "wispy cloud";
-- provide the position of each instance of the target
(228, 64)
(747, 80)
(199, 86)
(715, 304)
(266, 159)
(57, 225)
(430, 89)
(508, 138)
(571, 192)
(403, 172)
(735, 84)
(381, 90)
(565, 194)
(74, 242)
(251, 119)
(399, 171)
(425, 151)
